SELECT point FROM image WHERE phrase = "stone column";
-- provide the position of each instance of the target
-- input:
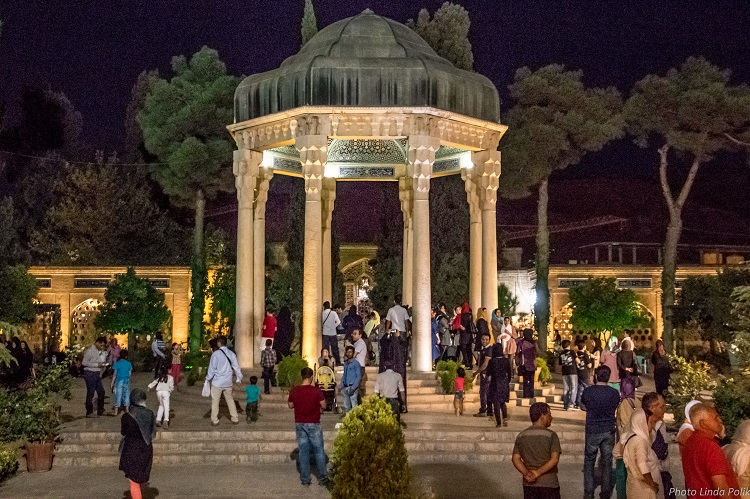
(313, 151)
(475, 238)
(421, 156)
(487, 166)
(246, 165)
(259, 248)
(328, 198)
(406, 197)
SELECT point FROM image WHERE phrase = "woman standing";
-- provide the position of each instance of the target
(738, 453)
(596, 353)
(138, 430)
(627, 364)
(609, 358)
(496, 324)
(467, 336)
(526, 358)
(25, 362)
(498, 393)
(482, 328)
(641, 463)
(662, 369)
(282, 342)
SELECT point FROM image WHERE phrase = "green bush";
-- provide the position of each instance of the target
(446, 371)
(289, 371)
(196, 365)
(369, 455)
(544, 375)
(688, 380)
(8, 462)
(732, 400)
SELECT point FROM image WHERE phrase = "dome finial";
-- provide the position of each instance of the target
(368, 11)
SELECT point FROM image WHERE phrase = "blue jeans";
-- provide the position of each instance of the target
(122, 393)
(310, 439)
(570, 387)
(582, 384)
(596, 443)
(350, 400)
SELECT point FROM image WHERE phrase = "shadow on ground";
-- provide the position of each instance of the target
(456, 481)
(146, 491)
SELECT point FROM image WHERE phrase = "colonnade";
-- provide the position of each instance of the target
(252, 181)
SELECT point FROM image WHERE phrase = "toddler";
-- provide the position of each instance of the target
(458, 397)
(164, 384)
(120, 386)
(253, 394)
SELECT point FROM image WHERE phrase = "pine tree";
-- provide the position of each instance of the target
(447, 32)
(309, 22)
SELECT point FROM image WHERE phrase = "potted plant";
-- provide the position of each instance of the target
(38, 424)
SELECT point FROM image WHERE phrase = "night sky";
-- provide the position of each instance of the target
(93, 51)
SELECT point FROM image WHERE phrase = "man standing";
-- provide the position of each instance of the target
(583, 370)
(600, 402)
(331, 322)
(536, 454)
(391, 386)
(484, 379)
(269, 328)
(220, 368)
(569, 375)
(360, 353)
(309, 403)
(393, 350)
(350, 380)
(707, 471)
(397, 317)
(158, 350)
(92, 374)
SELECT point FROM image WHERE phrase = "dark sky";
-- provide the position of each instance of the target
(93, 51)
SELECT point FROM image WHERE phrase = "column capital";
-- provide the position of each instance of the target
(406, 197)
(313, 154)
(261, 192)
(487, 174)
(246, 166)
(469, 176)
(421, 156)
(328, 196)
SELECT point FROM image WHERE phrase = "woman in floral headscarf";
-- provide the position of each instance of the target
(738, 453)
(641, 463)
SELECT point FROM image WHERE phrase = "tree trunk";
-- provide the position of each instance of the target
(541, 306)
(198, 281)
(674, 230)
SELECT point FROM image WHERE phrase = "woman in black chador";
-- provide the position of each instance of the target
(498, 393)
(138, 428)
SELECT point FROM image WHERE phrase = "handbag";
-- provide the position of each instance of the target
(206, 389)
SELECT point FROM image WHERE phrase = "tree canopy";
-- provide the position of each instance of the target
(132, 306)
(447, 32)
(599, 305)
(309, 22)
(17, 287)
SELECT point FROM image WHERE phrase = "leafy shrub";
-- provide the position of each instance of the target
(732, 400)
(688, 380)
(544, 375)
(369, 455)
(289, 371)
(8, 462)
(196, 365)
(446, 371)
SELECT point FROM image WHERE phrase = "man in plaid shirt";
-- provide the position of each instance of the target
(268, 362)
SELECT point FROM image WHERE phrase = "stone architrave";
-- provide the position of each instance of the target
(421, 156)
(313, 150)
(328, 200)
(406, 197)
(469, 176)
(245, 166)
(259, 248)
(487, 167)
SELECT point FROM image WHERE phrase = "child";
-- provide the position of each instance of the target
(268, 362)
(176, 362)
(121, 381)
(253, 394)
(164, 384)
(458, 397)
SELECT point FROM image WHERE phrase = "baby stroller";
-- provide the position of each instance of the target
(325, 379)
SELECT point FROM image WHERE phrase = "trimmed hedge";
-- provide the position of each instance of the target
(446, 372)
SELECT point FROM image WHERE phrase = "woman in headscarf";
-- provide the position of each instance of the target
(496, 323)
(325, 359)
(482, 328)
(138, 428)
(687, 427)
(628, 405)
(282, 342)
(351, 322)
(467, 335)
(25, 362)
(641, 463)
(738, 453)
(662, 368)
(526, 358)
(498, 393)
(609, 358)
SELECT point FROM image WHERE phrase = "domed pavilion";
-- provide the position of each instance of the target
(366, 99)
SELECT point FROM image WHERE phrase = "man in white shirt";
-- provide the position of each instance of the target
(331, 322)
(360, 354)
(92, 374)
(222, 365)
(390, 385)
(397, 317)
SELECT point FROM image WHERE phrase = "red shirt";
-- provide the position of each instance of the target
(702, 458)
(306, 400)
(460, 384)
(269, 327)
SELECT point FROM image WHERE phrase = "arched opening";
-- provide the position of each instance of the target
(82, 329)
(642, 336)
